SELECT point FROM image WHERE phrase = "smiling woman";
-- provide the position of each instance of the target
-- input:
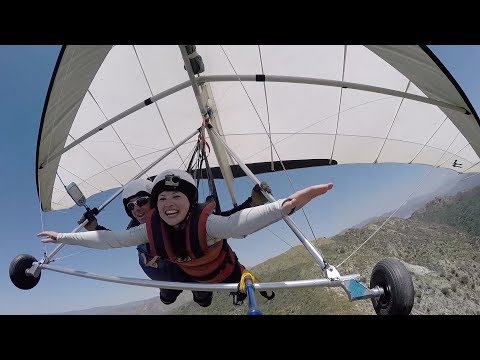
(137, 192)
(186, 233)
(273, 108)
(138, 201)
(177, 194)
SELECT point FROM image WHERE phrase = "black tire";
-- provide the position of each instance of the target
(17, 272)
(393, 277)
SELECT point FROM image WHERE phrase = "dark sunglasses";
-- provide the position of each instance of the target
(139, 202)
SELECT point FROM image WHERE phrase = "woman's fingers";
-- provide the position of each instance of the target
(48, 236)
(302, 197)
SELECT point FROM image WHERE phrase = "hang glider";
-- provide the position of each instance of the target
(111, 111)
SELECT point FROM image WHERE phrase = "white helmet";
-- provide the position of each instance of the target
(137, 187)
(175, 180)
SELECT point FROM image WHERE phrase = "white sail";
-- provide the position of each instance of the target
(317, 105)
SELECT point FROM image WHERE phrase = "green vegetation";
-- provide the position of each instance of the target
(461, 211)
(440, 245)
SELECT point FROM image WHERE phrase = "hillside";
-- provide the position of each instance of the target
(439, 244)
(444, 264)
(465, 183)
(151, 306)
(461, 211)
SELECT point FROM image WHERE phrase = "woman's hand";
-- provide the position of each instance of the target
(302, 197)
(50, 236)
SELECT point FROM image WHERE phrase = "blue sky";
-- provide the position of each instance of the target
(360, 191)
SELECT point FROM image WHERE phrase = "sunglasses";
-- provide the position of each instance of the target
(139, 202)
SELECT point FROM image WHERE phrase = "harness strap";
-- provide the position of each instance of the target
(152, 261)
(241, 285)
(266, 296)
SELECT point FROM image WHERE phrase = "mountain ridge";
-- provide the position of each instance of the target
(443, 259)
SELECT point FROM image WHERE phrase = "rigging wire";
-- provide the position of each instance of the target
(469, 177)
(339, 103)
(420, 183)
(45, 244)
(266, 107)
(156, 105)
(268, 135)
(43, 225)
(286, 243)
(72, 254)
(284, 169)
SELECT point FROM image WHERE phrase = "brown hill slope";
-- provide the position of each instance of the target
(444, 264)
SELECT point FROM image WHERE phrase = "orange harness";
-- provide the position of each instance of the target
(188, 247)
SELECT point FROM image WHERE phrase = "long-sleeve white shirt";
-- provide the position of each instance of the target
(237, 225)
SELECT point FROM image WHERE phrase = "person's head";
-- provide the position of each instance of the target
(136, 199)
(174, 193)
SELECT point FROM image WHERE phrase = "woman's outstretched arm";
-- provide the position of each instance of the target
(103, 239)
(248, 221)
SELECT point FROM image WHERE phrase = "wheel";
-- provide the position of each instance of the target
(395, 280)
(17, 272)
